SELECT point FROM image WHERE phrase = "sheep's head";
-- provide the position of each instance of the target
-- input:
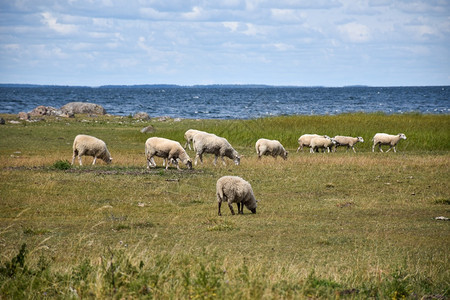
(285, 155)
(360, 139)
(237, 160)
(108, 159)
(402, 136)
(252, 207)
(189, 164)
(333, 141)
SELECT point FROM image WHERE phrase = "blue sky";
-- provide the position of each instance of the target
(187, 42)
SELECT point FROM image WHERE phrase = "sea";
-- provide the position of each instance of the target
(231, 101)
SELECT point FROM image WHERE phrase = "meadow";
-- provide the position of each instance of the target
(328, 225)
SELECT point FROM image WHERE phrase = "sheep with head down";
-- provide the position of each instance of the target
(170, 151)
(347, 141)
(234, 189)
(305, 140)
(219, 146)
(321, 143)
(387, 139)
(270, 147)
(91, 146)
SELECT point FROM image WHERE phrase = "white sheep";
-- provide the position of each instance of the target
(387, 139)
(189, 135)
(321, 143)
(305, 140)
(210, 143)
(234, 189)
(170, 151)
(91, 146)
(347, 141)
(270, 147)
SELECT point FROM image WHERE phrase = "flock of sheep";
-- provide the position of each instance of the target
(231, 189)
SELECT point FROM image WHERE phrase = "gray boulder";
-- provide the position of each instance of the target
(141, 116)
(83, 108)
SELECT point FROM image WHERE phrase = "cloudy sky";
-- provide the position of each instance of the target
(187, 42)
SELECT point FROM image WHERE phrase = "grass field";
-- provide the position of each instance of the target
(328, 225)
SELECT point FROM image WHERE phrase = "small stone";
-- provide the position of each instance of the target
(2, 121)
(23, 115)
(148, 129)
(141, 116)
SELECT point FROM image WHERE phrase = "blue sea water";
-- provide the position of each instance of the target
(231, 102)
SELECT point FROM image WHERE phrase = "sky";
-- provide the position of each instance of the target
(190, 42)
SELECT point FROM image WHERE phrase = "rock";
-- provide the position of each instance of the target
(442, 218)
(2, 121)
(83, 108)
(41, 110)
(177, 120)
(148, 129)
(163, 118)
(14, 122)
(141, 116)
(23, 115)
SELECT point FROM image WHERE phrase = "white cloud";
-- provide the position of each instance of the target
(354, 32)
(52, 23)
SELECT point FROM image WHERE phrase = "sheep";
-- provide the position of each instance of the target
(234, 189)
(305, 140)
(219, 146)
(270, 147)
(170, 151)
(321, 142)
(347, 141)
(189, 135)
(91, 146)
(387, 139)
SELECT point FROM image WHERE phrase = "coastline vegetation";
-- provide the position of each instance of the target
(328, 225)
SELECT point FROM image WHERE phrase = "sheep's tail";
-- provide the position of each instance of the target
(219, 194)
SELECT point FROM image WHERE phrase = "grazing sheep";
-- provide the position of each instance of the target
(91, 146)
(210, 143)
(270, 147)
(170, 151)
(234, 189)
(347, 141)
(305, 140)
(321, 143)
(387, 139)
(189, 135)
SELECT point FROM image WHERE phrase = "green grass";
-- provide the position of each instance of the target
(338, 225)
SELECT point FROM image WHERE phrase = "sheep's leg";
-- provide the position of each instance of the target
(75, 153)
(299, 148)
(95, 159)
(167, 163)
(311, 150)
(354, 151)
(379, 147)
(231, 208)
(79, 160)
(240, 208)
(395, 150)
(215, 159)
(373, 147)
(199, 155)
(223, 161)
(219, 204)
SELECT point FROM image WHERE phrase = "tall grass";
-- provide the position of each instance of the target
(338, 225)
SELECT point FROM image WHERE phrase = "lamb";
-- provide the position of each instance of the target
(189, 135)
(387, 139)
(270, 147)
(91, 146)
(321, 143)
(234, 189)
(219, 146)
(305, 140)
(170, 151)
(347, 141)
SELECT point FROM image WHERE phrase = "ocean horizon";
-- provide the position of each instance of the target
(230, 101)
